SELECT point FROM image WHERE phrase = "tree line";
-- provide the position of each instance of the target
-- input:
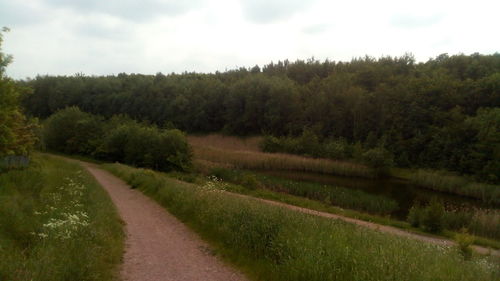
(441, 114)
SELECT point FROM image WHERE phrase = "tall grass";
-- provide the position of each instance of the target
(480, 222)
(274, 161)
(226, 142)
(56, 223)
(276, 243)
(456, 185)
(334, 195)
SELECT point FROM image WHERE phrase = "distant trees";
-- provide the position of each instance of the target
(16, 131)
(434, 114)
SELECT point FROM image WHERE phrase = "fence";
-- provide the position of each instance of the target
(14, 162)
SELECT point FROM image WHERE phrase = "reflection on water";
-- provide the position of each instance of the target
(400, 190)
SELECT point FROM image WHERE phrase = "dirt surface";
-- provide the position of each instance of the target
(158, 246)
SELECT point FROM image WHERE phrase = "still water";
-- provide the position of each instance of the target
(401, 191)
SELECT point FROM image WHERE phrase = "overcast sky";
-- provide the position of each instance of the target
(97, 37)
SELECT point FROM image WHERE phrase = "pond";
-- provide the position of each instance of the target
(400, 190)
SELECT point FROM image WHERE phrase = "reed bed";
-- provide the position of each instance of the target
(480, 222)
(274, 161)
(57, 223)
(456, 185)
(275, 243)
(227, 142)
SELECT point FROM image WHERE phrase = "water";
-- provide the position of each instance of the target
(402, 191)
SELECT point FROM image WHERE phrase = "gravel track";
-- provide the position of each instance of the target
(158, 246)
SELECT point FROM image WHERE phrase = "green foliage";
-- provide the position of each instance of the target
(16, 131)
(439, 114)
(56, 224)
(379, 159)
(72, 131)
(432, 219)
(119, 139)
(275, 243)
(415, 215)
(464, 241)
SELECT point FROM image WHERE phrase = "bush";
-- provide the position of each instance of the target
(415, 215)
(464, 240)
(118, 139)
(73, 131)
(433, 217)
(271, 144)
(379, 158)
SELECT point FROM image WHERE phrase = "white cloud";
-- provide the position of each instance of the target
(102, 37)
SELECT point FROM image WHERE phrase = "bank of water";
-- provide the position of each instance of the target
(403, 192)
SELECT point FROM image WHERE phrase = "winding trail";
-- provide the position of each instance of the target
(158, 246)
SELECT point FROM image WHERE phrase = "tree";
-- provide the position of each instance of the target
(16, 132)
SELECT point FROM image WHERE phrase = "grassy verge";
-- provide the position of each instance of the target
(275, 243)
(283, 162)
(56, 223)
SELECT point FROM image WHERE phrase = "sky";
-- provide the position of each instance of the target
(106, 37)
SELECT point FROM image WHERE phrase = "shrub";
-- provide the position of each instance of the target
(379, 158)
(73, 131)
(415, 215)
(433, 216)
(271, 144)
(464, 240)
(118, 139)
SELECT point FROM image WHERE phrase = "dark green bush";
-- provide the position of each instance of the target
(118, 139)
(433, 217)
(379, 158)
(271, 144)
(73, 131)
(415, 215)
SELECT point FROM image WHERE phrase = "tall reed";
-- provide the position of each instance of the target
(456, 185)
(275, 161)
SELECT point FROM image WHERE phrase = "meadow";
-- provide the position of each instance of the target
(275, 243)
(57, 223)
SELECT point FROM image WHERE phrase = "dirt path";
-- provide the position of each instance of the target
(158, 246)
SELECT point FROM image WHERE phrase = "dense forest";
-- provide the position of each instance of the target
(439, 114)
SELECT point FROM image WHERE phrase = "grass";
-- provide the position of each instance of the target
(56, 223)
(285, 162)
(334, 195)
(275, 243)
(457, 185)
(480, 222)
